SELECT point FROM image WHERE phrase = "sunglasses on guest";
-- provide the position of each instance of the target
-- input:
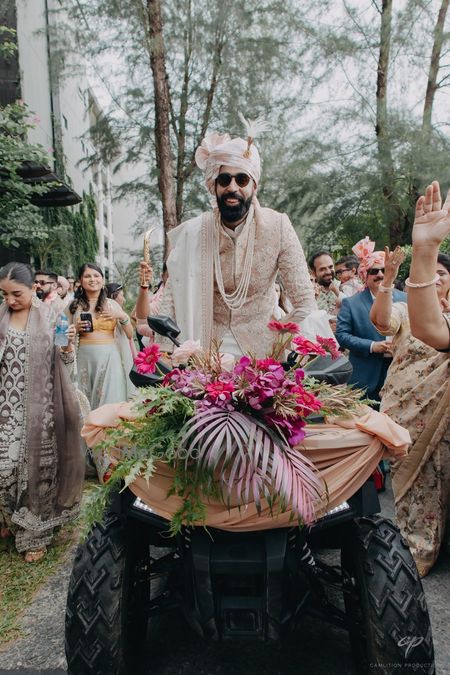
(374, 271)
(42, 282)
(224, 179)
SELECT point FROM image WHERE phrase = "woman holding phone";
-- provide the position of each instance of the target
(41, 459)
(103, 328)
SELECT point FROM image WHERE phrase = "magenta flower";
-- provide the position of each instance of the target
(307, 402)
(280, 327)
(220, 391)
(292, 428)
(306, 347)
(267, 364)
(147, 359)
(191, 383)
(330, 345)
(243, 363)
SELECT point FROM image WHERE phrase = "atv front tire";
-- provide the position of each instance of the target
(108, 598)
(385, 604)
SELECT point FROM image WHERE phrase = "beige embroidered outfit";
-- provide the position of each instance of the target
(416, 394)
(192, 280)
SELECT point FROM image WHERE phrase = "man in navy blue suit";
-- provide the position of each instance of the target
(369, 353)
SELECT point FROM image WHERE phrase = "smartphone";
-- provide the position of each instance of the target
(87, 316)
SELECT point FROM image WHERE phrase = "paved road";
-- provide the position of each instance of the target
(315, 649)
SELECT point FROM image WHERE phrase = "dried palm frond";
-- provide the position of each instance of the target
(250, 461)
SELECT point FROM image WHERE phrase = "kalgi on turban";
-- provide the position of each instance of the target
(218, 150)
(368, 258)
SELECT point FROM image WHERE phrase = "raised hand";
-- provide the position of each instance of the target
(432, 221)
(392, 261)
(145, 274)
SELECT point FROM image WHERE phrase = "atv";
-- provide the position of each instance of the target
(247, 585)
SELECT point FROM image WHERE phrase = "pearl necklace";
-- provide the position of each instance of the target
(237, 298)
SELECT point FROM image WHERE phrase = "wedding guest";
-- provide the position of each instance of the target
(414, 395)
(346, 271)
(369, 352)
(430, 319)
(41, 461)
(103, 353)
(62, 288)
(46, 290)
(115, 292)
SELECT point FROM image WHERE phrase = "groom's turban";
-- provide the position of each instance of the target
(221, 150)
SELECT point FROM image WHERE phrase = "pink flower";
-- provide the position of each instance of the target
(280, 327)
(307, 402)
(267, 364)
(147, 359)
(191, 383)
(292, 429)
(227, 361)
(220, 391)
(330, 345)
(305, 347)
(242, 365)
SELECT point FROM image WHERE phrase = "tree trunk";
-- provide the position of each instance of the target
(387, 171)
(423, 140)
(432, 84)
(184, 104)
(162, 108)
(186, 167)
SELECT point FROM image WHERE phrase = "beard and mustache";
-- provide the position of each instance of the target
(231, 214)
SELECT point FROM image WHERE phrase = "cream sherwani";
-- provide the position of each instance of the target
(192, 298)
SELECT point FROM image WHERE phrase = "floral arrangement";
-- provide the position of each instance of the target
(229, 430)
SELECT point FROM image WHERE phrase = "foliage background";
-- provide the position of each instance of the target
(346, 155)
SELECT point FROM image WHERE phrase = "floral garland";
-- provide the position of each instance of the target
(229, 430)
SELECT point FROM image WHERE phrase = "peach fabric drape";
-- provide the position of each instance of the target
(345, 451)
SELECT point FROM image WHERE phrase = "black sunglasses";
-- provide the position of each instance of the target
(374, 271)
(224, 179)
(41, 282)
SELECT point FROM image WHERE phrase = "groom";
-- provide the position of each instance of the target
(223, 264)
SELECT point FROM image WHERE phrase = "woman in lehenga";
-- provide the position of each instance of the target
(41, 460)
(415, 394)
(103, 355)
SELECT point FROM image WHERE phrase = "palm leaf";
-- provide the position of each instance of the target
(250, 461)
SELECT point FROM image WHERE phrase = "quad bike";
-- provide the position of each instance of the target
(249, 584)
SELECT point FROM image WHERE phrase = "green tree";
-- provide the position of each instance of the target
(21, 221)
(219, 58)
(58, 238)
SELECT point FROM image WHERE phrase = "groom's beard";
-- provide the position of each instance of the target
(231, 214)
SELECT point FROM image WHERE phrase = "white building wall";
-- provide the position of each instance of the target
(69, 103)
(75, 108)
(34, 71)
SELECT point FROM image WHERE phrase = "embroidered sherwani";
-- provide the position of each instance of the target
(192, 294)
